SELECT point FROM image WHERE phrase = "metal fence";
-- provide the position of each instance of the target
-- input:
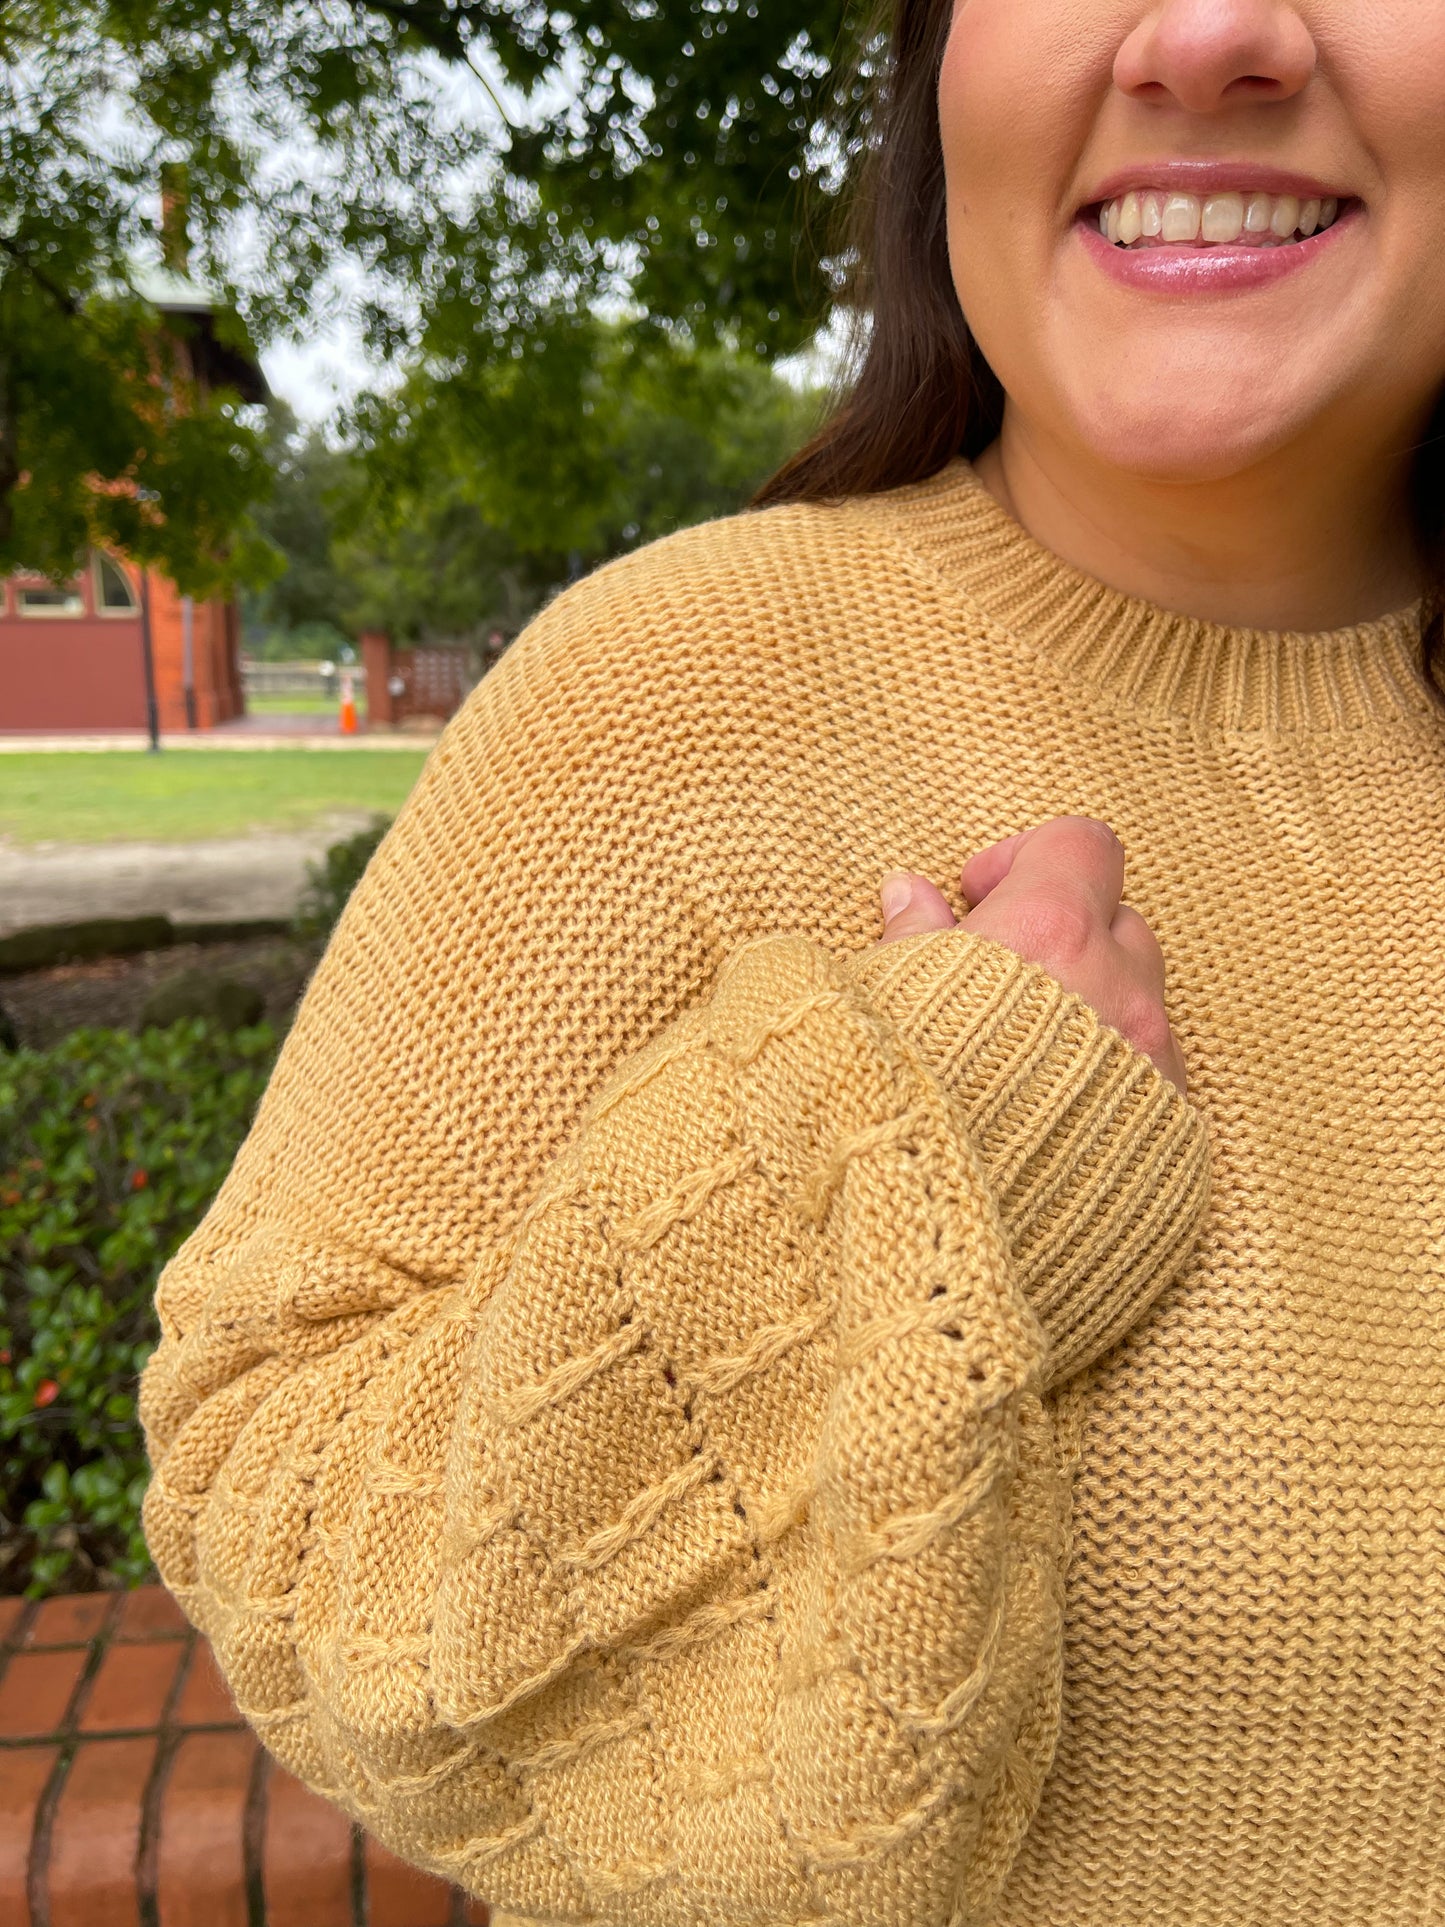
(289, 678)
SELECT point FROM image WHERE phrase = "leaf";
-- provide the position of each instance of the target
(75, 1468)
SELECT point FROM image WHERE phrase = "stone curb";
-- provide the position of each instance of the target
(132, 1793)
(41, 946)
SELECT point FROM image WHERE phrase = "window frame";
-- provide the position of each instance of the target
(76, 586)
(101, 608)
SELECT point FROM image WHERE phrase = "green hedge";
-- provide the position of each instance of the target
(330, 882)
(111, 1146)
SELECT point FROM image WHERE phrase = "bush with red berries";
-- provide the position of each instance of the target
(111, 1146)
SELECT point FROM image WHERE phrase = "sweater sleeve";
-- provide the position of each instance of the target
(1097, 1163)
(682, 1542)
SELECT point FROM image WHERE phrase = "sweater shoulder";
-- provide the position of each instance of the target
(658, 644)
(765, 568)
(690, 595)
(691, 632)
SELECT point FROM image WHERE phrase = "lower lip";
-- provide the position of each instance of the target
(1217, 267)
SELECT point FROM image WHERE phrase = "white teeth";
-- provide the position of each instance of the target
(1284, 217)
(1181, 217)
(1222, 218)
(1150, 216)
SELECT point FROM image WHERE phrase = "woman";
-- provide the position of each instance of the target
(685, 1412)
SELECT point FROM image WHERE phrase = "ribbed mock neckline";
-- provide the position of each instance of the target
(1159, 662)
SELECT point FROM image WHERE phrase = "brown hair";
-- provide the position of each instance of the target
(924, 393)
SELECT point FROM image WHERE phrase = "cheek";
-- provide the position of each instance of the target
(1014, 108)
(1016, 95)
(980, 70)
(1017, 98)
(1389, 63)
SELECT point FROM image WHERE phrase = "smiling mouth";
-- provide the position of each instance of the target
(1158, 217)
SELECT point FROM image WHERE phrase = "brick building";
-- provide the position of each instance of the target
(75, 658)
(97, 653)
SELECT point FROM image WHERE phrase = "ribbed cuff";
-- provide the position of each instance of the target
(1099, 1163)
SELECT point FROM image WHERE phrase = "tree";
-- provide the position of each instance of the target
(105, 438)
(471, 495)
(637, 151)
(588, 435)
(666, 149)
(105, 434)
(301, 611)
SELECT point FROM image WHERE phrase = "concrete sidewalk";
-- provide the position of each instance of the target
(252, 736)
(223, 880)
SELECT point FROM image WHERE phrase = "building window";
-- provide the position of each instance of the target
(44, 599)
(113, 593)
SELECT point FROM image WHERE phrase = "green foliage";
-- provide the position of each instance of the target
(483, 485)
(298, 616)
(494, 169)
(664, 150)
(111, 1147)
(92, 387)
(331, 882)
(77, 402)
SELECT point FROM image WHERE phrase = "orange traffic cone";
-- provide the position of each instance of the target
(348, 704)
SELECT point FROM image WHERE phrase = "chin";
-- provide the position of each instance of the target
(1197, 442)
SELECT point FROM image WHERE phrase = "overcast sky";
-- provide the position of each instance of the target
(327, 368)
(318, 376)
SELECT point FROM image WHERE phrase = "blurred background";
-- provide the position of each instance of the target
(336, 337)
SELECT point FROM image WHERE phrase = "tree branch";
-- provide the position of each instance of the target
(430, 20)
(62, 296)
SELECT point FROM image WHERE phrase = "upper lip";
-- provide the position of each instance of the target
(1212, 177)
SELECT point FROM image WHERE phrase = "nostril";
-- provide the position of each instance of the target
(1256, 86)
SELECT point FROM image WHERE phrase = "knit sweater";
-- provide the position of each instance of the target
(682, 1417)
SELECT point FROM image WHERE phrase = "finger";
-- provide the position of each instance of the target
(986, 869)
(912, 905)
(1172, 1065)
(1075, 858)
(1132, 934)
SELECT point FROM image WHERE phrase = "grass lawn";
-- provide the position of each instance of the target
(112, 796)
(317, 705)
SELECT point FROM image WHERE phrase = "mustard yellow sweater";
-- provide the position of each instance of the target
(680, 1417)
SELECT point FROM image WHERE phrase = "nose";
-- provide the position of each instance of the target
(1202, 55)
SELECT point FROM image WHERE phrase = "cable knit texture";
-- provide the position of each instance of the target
(682, 1417)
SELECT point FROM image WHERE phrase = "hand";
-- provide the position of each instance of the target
(1052, 894)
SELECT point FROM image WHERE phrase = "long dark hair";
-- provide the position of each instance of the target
(924, 393)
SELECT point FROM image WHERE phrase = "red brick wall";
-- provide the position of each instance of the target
(87, 672)
(69, 672)
(215, 656)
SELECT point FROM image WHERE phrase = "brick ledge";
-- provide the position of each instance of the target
(132, 1791)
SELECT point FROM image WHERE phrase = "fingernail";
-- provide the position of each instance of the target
(896, 891)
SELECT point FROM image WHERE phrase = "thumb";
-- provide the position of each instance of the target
(911, 906)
